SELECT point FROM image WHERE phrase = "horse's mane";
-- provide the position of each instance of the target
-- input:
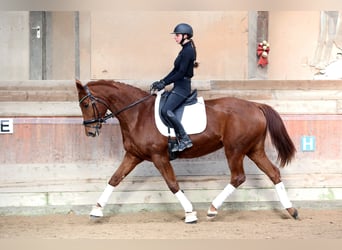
(135, 91)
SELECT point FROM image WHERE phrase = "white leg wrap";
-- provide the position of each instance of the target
(284, 200)
(218, 201)
(191, 217)
(96, 212)
(186, 204)
(105, 195)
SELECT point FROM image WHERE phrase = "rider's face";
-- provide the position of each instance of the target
(178, 38)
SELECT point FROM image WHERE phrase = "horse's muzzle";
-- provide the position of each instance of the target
(93, 131)
(92, 134)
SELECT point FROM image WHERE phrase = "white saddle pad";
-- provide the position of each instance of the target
(194, 118)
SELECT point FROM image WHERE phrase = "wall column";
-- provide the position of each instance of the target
(257, 32)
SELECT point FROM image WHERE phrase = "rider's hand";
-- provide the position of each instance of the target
(158, 85)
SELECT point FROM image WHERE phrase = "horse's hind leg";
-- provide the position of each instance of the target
(260, 159)
(237, 177)
(127, 165)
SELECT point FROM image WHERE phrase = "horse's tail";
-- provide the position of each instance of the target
(279, 136)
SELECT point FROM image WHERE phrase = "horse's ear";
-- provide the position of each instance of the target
(78, 85)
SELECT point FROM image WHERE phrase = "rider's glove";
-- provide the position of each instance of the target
(158, 85)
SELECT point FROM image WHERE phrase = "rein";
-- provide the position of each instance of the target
(108, 116)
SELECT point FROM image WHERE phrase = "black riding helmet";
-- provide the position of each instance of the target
(183, 28)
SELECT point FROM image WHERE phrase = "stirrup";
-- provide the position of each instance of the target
(175, 148)
(182, 145)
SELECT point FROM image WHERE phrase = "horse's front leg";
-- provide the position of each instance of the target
(127, 165)
(165, 168)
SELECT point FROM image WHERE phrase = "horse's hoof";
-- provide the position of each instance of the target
(96, 212)
(211, 214)
(295, 214)
(191, 217)
(94, 218)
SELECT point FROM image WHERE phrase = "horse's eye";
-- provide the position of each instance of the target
(86, 105)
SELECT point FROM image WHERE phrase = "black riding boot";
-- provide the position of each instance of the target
(184, 140)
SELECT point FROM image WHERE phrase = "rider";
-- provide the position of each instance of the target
(181, 76)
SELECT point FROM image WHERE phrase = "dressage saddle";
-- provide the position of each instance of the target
(190, 100)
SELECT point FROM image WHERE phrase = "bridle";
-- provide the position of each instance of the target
(98, 119)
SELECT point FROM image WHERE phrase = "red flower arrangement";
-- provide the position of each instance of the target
(262, 52)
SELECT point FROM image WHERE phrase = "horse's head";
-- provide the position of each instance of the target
(93, 110)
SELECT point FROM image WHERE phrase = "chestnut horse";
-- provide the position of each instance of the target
(238, 125)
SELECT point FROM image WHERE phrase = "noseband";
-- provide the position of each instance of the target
(97, 118)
